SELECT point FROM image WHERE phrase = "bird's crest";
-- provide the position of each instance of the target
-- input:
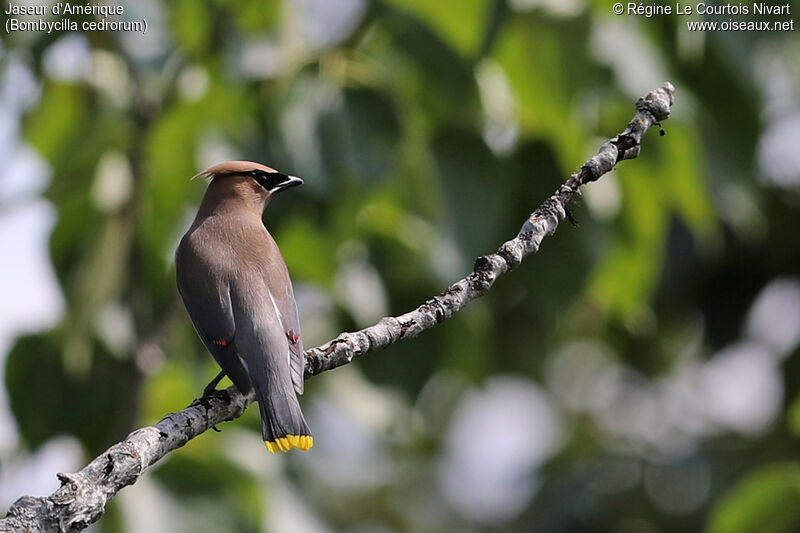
(232, 167)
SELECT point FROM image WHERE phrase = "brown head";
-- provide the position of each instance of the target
(248, 184)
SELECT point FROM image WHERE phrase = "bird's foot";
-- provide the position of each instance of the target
(211, 388)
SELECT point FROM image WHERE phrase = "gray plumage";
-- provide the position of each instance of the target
(236, 288)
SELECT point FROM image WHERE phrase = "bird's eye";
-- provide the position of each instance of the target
(261, 177)
(274, 182)
(268, 180)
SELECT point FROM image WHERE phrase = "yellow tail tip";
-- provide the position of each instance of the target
(284, 444)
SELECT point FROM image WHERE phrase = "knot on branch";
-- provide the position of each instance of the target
(568, 189)
(30, 510)
(408, 324)
(602, 162)
(511, 254)
(552, 211)
(482, 275)
(628, 147)
(316, 357)
(658, 102)
(82, 501)
(440, 307)
(70, 483)
(313, 364)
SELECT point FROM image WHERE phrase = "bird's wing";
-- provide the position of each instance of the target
(262, 345)
(285, 307)
(297, 354)
(209, 305)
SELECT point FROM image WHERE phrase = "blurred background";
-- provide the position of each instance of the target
(639, 374)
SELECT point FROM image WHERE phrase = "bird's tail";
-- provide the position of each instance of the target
(282, 423)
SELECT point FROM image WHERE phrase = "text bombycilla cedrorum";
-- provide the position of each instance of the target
(235, 285)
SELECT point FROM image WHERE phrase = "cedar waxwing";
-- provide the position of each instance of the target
(236, 287)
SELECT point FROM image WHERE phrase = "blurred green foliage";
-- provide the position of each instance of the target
(426, 133)
(765, 500)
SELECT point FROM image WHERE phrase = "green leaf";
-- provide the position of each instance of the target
(681, 173)
(793, 416)
(170, 389)
(52, 128)
(475, 190)
(541, 57)
(190, 475)
(427, 74)
(625, 278)
(192, 25)
(99, 277)
(170, 161)
(767, 500)
(459, 22)
(47, 401)
(308, 251)
(255, 17)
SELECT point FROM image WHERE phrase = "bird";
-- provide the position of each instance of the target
(235, 285)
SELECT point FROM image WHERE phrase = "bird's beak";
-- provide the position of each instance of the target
(289, 182)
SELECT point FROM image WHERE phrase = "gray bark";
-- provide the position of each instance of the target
(82, 497)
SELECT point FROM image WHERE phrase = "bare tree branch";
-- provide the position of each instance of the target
(82, 498)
